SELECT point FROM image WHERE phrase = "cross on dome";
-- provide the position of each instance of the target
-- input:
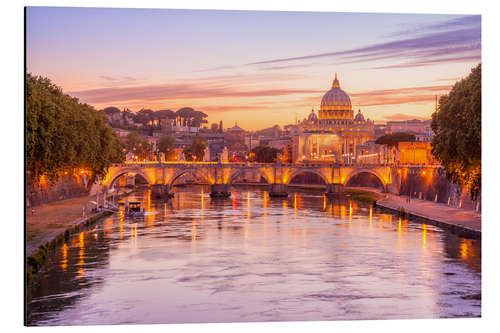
(335, 83)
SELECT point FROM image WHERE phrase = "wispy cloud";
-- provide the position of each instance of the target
(177, 91)
(447, 79)
(398, 96)
(431, 62)
(403, 116)
(460, 22)
(456, 40)
(116, 81)
(429, 45)
(229, 108)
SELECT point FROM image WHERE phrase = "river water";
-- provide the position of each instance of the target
(252, 258)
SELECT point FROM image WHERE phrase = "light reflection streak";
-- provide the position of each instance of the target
(464, 249)
(424, 236)
(122, 217)
(193, 236)
(133, 235)
(295, 206)
(64, 261)
(249, 207)
(81, 255)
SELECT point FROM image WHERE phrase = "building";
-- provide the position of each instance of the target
(415, 153)
(235, 134)
(335, 133)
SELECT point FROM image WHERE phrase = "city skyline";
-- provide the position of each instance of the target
(256, 68)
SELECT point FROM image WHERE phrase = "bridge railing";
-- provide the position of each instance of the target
(253, 164)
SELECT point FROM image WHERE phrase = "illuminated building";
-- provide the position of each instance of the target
(333, 134)
(415, 153)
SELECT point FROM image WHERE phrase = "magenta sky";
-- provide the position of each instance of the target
(257, 68)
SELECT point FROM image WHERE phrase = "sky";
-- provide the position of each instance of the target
(256, 68)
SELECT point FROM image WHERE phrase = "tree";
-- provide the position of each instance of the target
(166, 146)
(144, 116)
(63, 135)
(196, 151)
(264, 154)
(394, 138)
(457, 128)
(137, 145)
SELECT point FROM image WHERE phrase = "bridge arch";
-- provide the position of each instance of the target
(304, 171)
(236, 173)
(111, 178)
(194, 172)
(383, 180)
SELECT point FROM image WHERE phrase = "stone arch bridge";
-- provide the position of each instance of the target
(278, 175)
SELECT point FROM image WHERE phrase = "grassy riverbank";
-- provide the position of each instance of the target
(363, 196)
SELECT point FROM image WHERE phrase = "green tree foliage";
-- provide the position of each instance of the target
(265, 154)
(144, 116)
(165, 114)
(457, 128)
(394, 138)
(138, 146)
(166, 146)
(63, 134)
(196, 151)
(111, 110)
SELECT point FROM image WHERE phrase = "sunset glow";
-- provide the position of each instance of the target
(256, 68)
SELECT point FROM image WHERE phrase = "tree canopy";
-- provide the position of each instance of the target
(264, 154)
(162, 114)
(394, 138)
(63, 134)
(111, 110)
(166, 146)
(457, 128)
(196, 151)
(138, 145)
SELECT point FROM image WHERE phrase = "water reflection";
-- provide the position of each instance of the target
(252, 258)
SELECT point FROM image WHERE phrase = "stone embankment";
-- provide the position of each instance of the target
(49, 225)
(464, 222)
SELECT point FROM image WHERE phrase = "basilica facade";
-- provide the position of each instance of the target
(335, 134)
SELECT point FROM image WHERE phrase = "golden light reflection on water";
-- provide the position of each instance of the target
(64, 261)
(464, 248)
(235, 200)
(424, 236)
(249, 206)
(285, 207)
(308, 240)
(121, 215)
(108, 226)
(202, 204)
(133, 235)
(81, 255)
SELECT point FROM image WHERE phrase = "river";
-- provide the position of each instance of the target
(252, 258)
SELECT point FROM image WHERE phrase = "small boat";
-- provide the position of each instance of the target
(134, 209)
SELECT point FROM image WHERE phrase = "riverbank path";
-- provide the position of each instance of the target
(439, 212)
(46, 222)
